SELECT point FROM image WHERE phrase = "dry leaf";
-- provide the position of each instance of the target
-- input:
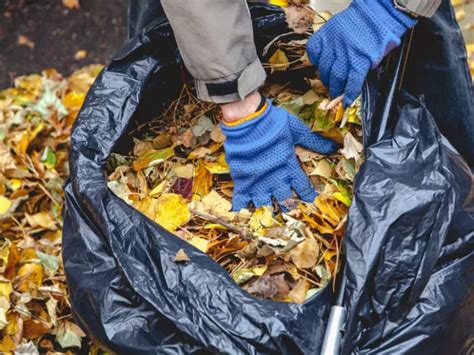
(279, 61)
(172, 211)
(202, 180)
(25, 41)
(41, 219)
(181, 257)
(71, 4)
(80, 54)
(299, 18)
(298, 293)
(305, 255)
(30, 277)
(322, 169)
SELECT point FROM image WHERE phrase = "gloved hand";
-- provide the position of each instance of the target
(261, 154)
(354, 41)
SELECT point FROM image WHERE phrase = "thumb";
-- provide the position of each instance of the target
(304, 137)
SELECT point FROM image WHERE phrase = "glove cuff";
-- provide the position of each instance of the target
(253, 128)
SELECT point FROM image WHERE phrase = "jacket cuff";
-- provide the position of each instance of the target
(233, 87)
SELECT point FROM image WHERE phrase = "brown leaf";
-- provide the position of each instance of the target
(33, 329)
(25, 41)
(141, 147)
(217, 135)
(181, 257)
(305, 254)
(269, 287)
(202, 180)
(71, 4)
(186, 138)
(30, 277)
(80, 54)
(298, 293)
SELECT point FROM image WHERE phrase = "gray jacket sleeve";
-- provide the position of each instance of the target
(215, 38)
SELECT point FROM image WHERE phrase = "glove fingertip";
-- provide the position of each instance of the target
(239, 203)
(348, 101)
(309, 196)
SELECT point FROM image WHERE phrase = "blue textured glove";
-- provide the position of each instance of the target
(262, 158)
(354, 41)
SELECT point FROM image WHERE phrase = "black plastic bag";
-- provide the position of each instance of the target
(128, 293)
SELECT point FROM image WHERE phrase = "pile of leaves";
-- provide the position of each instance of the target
(177, 176)
(35, 124)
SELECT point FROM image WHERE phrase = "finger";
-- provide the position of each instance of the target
(239, 201)
(262, 199)
(304, 137)
(283, 193)
(303, 187)
(338, 79)
(325, 65)
(355, 82)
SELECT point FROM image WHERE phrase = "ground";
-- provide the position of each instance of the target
(57, 34)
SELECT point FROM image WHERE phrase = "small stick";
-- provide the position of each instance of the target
(244, 233)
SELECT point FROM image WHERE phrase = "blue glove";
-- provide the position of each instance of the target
(354, 41)
(262, 159)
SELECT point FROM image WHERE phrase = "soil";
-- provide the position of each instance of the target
(57, 34)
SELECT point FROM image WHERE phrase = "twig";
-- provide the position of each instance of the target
(244, 233)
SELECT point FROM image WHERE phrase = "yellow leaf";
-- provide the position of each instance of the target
(281, 3)
(202, 180)
(328, 211)
(339, 113)
(199, 243)
(4, 255)
(328, 255)
(5, 289)
(261, 220)
(305, 254)
(158, 189)
(172, 212)
(152, 158)
(74, 100)
(30, 276)
(147, 206)
(26, 138)
(5, 204)
(31, 83)
(219, 166)
(279, 61)
(41, 219)
(7, 344)
(15, 184)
